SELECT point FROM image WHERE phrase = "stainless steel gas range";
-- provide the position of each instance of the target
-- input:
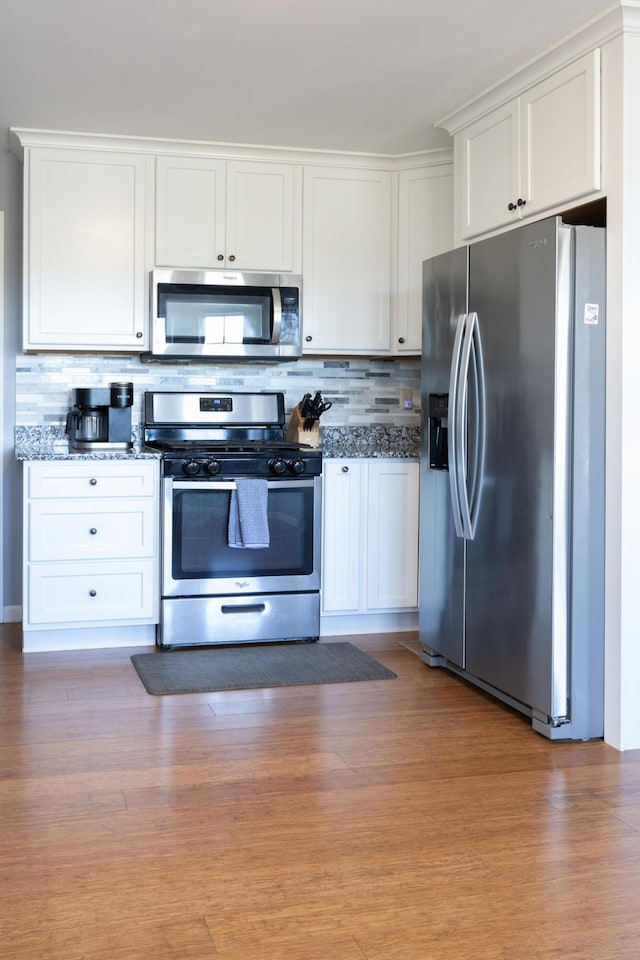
(241, 520)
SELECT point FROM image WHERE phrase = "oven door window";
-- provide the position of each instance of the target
(200, 549)
(209, 315)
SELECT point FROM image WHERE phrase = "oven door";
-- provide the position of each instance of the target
(197, 560)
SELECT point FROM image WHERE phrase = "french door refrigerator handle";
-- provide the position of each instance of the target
(462, 427)
(454, 427)
(477, 471)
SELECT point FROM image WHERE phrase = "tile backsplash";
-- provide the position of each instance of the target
(362, 392)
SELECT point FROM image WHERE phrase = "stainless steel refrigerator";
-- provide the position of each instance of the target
(512, 471)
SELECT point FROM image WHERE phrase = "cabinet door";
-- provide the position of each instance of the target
(425, 229)
(85, 273)
(263, 210)
(190, 212)
(560, 131)
(342, 545)
(392, 555)
(487, 158)
(346, 260)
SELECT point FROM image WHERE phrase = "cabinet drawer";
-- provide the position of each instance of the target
(92, 478)
(91, 592)
(91, 530)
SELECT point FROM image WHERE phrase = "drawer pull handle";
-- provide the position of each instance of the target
(92, 593)
(93, 531)
(243, 608)
(345, 469)
(93, 481)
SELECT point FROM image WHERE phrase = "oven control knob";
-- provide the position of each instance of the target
(297, 466)
(213, 467)
(278, 465)
(191, 468)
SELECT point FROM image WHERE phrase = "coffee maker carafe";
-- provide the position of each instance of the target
(100, 418)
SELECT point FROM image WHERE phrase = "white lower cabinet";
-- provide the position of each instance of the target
(370, 545)
(91, 546)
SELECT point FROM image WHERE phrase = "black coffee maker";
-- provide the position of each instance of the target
(100, 418)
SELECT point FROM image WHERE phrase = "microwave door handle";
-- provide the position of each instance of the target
(277, 314)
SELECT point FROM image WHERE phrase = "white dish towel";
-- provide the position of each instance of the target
(248, 520)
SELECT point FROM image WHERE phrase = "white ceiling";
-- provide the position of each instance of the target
(356, 75)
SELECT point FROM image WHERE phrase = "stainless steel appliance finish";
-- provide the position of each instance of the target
(100, 418)
(213, 592)
(224, 315)
(512, 498)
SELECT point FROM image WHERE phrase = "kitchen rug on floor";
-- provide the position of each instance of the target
(247, 667)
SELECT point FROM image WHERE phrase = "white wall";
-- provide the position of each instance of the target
(621, 117)
(11, 203)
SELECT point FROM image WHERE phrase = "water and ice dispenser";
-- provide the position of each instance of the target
(438, 412)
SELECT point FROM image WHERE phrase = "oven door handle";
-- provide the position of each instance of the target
(212, 484)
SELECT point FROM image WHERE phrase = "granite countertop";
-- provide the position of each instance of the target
(378, 441)
(51, 443)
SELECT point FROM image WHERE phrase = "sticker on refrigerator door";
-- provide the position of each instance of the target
(592, 313)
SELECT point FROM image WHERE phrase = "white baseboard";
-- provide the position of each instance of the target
(89, 638)
(343, 625)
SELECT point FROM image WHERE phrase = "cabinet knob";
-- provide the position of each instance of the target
(92, 593)
(521, 202)
(93, 531)
(139, 335)
(512, 206)
(308, 339)
(220, 256)
(345, 469)
(93, 481)
(400, 339)
(231, 258)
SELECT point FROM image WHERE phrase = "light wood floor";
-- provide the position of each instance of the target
(407, 819)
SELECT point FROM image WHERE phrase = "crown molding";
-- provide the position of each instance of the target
(623, 16)
(22, 138)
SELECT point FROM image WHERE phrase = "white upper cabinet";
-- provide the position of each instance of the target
(563, 112)
(425, 229)
(85, 238)
(216, 213)
(190, 214)
(540, 150)
(487, 163)
(346, 260)
(101, 213)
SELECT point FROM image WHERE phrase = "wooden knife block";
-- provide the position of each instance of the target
(297, 434)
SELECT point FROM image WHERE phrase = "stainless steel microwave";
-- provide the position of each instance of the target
(224, 315)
